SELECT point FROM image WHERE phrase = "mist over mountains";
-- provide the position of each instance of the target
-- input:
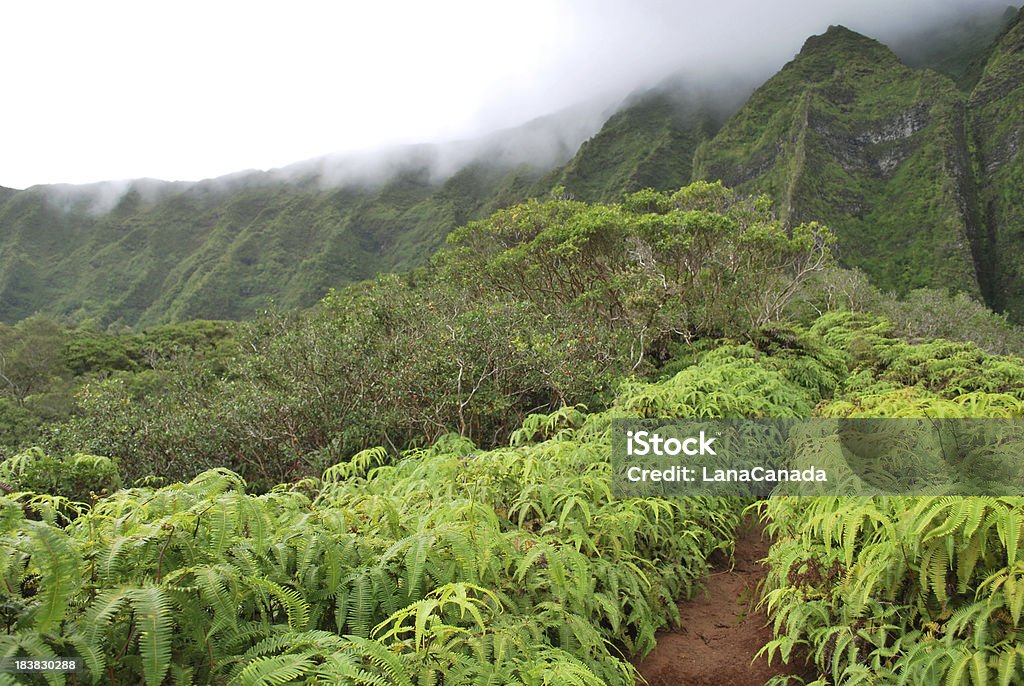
(913, 169)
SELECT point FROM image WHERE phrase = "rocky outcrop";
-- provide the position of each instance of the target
(880, 147)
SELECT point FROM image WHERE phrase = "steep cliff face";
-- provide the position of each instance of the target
(996, 135)
(848, 135)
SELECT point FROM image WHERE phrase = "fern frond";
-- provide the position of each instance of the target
(273, 671)
(153, 614)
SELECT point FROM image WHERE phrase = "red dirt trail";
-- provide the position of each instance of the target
(721, 629)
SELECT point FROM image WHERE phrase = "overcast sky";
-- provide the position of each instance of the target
(187, 90)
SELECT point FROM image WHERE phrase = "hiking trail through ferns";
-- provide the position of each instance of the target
(722, 629)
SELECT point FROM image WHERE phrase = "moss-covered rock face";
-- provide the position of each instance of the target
(919, 182)
(996, 128)
(847, 133)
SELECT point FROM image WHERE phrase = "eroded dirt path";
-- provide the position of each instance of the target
(721, 628)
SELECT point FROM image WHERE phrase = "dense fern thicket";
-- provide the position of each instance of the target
(903, 590)
(452, 564)
(449, 565)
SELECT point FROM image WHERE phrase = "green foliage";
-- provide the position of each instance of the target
(656, 267)
(384, 363)
(994, 131)
(227, 249)
(79, 478)
(513, 565)
(892, 378)
(43, 365)
(882, 153)
(720, 386)
(482, 544)
(540, 307)
(30, 358)
(648, 143)
(903, 590)
(923, 314)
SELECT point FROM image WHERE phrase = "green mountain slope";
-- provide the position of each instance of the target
(959, 50)
(649, 143)
(996, 132)
(212, 252)
(849, 135)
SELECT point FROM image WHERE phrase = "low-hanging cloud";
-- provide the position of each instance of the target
(611, 46)
(578, 60)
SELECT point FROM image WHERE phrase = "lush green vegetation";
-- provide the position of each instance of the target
(227, 249)
(847, 134)
(648, 144)
(918, 180)
(904, 590)
(544, 305)
(514, 564)
(43, 366)
(509, 566)
(995, 132)
(411, 482)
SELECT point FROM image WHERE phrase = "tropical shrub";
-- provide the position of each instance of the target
(541, 306)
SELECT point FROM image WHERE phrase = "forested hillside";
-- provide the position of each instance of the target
(848, 134)
(996, 128)
(210, 251)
